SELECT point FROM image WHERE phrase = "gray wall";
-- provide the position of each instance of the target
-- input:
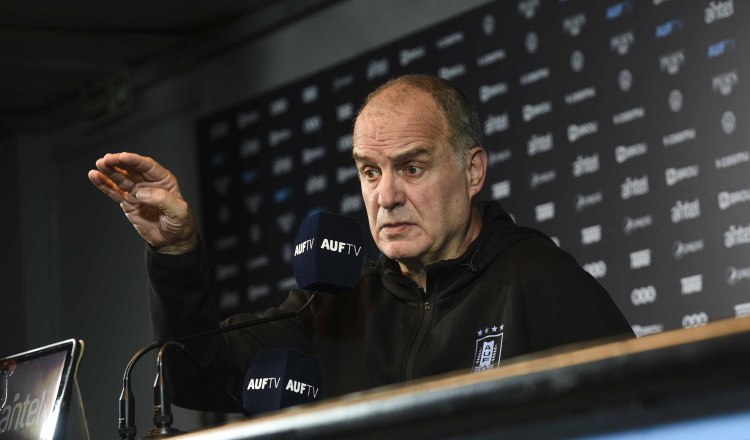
(80, 270)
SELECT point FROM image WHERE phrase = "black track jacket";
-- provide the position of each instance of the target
(512, 293)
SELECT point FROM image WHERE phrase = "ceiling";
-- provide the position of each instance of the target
(51, 50)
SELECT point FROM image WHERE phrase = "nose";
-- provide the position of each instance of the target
(390, 191)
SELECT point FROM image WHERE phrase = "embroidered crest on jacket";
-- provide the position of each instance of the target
(489, 347)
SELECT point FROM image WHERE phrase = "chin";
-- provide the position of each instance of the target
(399, 252)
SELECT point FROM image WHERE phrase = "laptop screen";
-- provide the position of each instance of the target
(33, 389)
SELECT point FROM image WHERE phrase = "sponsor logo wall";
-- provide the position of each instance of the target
(616, 127)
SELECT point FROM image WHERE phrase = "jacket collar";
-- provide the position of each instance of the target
(447, 277)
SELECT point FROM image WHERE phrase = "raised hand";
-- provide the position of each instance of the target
(150, 197)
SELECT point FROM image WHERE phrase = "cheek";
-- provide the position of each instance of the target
(368, 195)
(443, 199)
(428, 202)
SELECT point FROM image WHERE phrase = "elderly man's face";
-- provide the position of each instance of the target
(418, 200)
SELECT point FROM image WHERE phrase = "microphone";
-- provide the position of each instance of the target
(279, 379)
(328, 253)
(329, 260)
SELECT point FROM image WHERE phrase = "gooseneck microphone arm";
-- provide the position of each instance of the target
(163, 397)
(126, 425)
(241, 325)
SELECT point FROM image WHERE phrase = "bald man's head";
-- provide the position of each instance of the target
(461, 119)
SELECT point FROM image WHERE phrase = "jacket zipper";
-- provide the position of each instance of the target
(425, 321)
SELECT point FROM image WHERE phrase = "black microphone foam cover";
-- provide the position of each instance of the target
(328, 253)
(281, 378)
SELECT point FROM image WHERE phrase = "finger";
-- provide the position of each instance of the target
(107, 166)
(106, 186)
(141, 167)
(172, 205)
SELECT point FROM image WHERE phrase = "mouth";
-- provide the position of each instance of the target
(394, 228)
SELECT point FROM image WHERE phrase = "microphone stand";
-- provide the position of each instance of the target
(162, 398)
(162, 401)
(126, 424)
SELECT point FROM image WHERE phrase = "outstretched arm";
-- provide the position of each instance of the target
(150, 197)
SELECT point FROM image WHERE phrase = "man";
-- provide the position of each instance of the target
(461, 287)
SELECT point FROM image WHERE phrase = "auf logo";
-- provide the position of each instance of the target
(486, 355)
(617, 10)
(488, 349)
(666, 29)
(283, 194)
(722, 47)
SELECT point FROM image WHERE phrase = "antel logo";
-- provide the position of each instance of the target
(718, 10)
(496, 124)
(634, 187)
(686, 210)
(736, 235)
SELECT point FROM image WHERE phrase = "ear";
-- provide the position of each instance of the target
(476, 169)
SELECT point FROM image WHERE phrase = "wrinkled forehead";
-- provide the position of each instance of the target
(401, 108)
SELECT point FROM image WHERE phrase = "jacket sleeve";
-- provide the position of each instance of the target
(181, 305)
(564, 303)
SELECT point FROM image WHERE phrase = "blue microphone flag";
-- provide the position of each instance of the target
(279, 379)
(328, 253)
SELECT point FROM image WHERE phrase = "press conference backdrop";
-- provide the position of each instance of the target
(616, 127)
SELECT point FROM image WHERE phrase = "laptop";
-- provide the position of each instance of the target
(39, 397)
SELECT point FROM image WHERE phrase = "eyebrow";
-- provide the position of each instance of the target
(400, 157)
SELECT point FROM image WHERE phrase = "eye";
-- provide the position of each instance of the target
(413, 170)
(369, 173)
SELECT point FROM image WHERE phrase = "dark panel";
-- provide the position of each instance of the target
(13, 339)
